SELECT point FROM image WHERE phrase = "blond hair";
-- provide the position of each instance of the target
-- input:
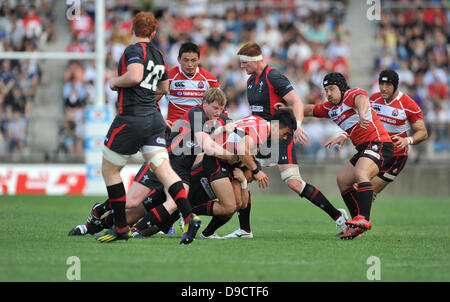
(215, 94)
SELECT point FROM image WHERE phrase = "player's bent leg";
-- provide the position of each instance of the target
(365, 170)
(112, 164)
(134, 214)
(136, 195)
(227, 202)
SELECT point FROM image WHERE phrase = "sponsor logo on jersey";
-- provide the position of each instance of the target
(257, 108)
(179, 85)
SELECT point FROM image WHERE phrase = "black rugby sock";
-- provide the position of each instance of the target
(117, 198)
(365, 197)
(215, 223)
(155, 216)
(244, 216)
(102, 209)
(179, 195)
(205, 209)
(316, 197)
(350, 199)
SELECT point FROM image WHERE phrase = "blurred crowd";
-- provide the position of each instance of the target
(23, 27)
(413, 38)
(305, 39)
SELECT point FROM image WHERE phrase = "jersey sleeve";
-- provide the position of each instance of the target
(350, 99)
(413, 112)
(320, 110)
(280, 82)
(134, 54)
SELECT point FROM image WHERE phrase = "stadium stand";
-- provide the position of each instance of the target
(23, 27)
(305, 39)
(413, 38)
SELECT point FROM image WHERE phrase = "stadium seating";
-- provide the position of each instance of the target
(23, 27)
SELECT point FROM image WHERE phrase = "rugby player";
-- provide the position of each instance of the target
(187, 82)
(266, 87)
(398, 113)
(350, 109)
(139, 126)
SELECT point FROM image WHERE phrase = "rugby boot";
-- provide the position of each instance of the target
(340, 222)
(135, 233)
(239, 233)
(351, 233)
(359, 221)
(113, 234)
(190, 229)
(212, 236)
(79, 230)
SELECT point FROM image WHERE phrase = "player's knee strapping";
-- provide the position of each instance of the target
(114, 157)
(293, 173)
(157, 160)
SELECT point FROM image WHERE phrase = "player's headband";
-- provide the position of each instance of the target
(250, 59)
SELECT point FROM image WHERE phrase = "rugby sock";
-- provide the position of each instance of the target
(215, 223)
(117, 198)
(316, 197)
(179, 195)
(244, 216)
(365, 197)
(166, 224)
(102, 209)
(108, 221)
(204, 208)
(155, 216)
(350, 200)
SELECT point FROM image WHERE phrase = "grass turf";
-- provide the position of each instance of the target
(294, 241)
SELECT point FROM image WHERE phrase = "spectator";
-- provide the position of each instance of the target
(17, 132)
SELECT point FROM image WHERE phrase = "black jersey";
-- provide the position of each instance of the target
(182, 139)
(266, 91)
(139, 100)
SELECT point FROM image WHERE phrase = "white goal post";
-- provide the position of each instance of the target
(98, 55)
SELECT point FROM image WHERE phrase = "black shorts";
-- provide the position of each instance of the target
(286, 152)
(209, 170)
(127, 133)
(382, 153)
(394, 169)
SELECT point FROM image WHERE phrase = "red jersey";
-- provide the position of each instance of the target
(346, 116)
(187, 92)
(397, 116)
(254, 126)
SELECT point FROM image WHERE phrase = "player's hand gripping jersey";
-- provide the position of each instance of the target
(254, 126)
(396, 116)
(187, 92)
(139, 100)
(345, 115)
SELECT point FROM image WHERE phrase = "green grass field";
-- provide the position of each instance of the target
(294, 241)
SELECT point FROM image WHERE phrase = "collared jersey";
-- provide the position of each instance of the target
(345, 115)
(396, 116)
(186, 92)
(266, 90)
(140, 100)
